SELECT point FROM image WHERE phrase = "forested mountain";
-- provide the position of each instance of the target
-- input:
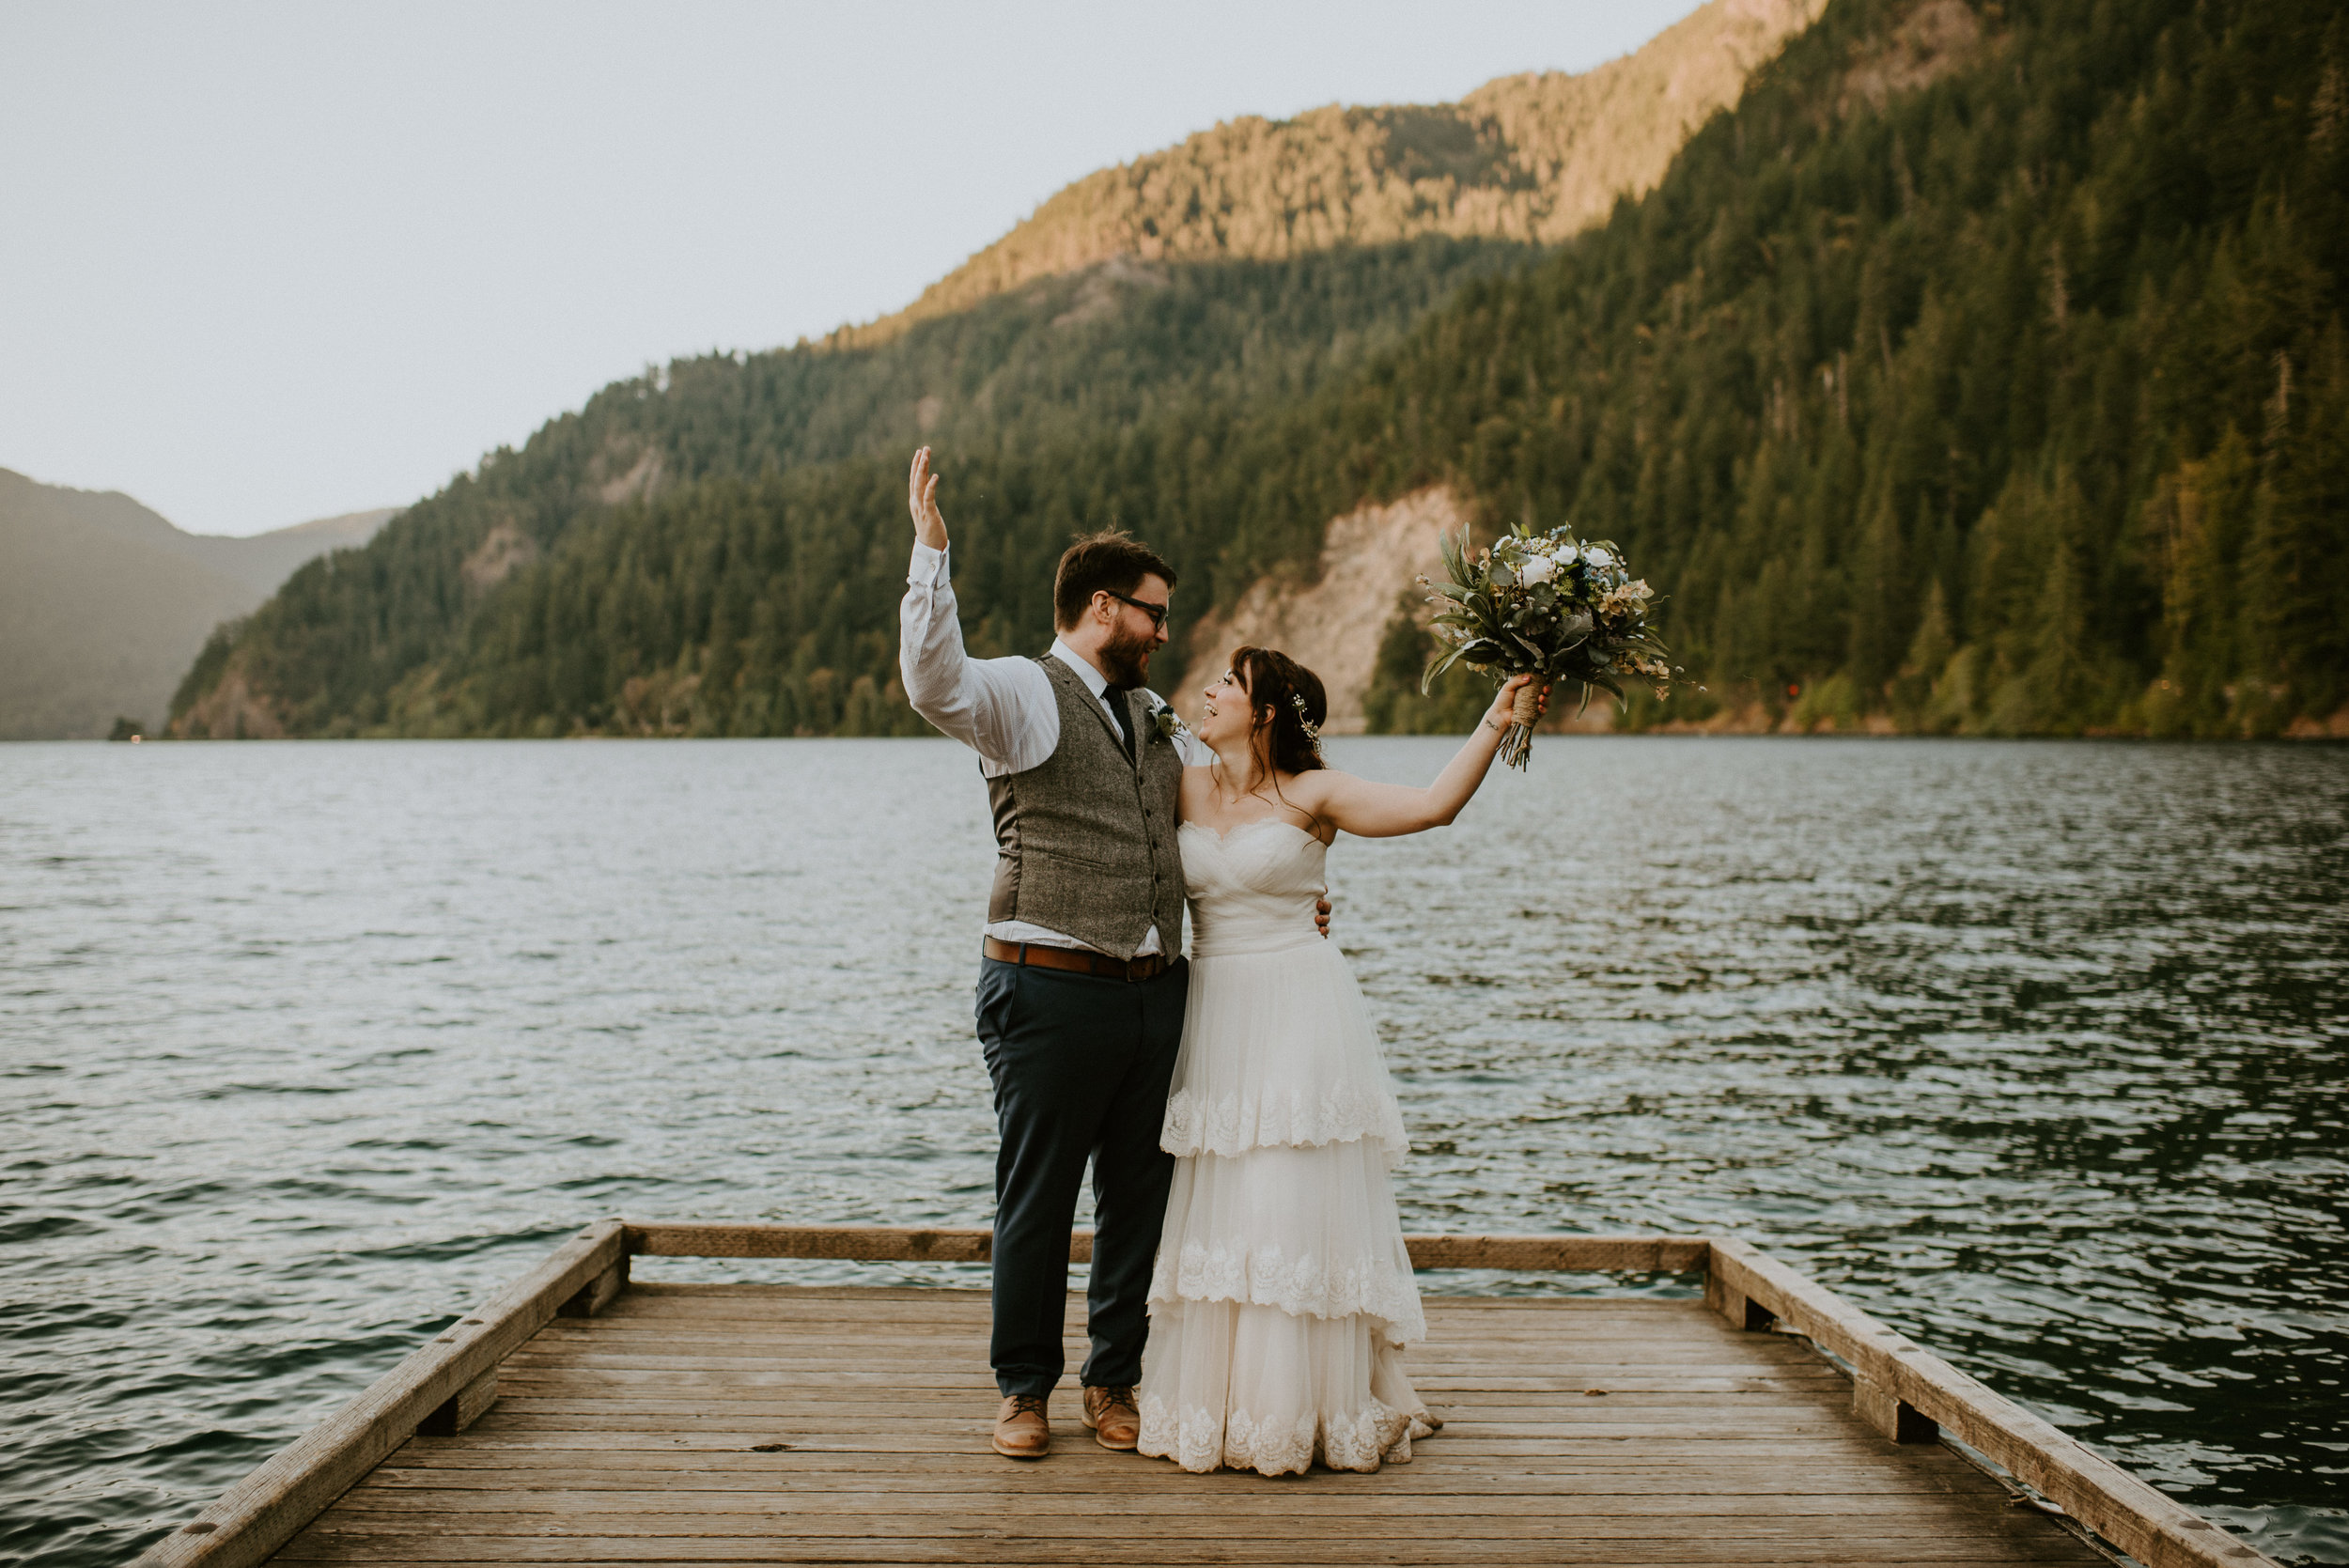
(1538, 158)
(102, 602)
(2019, 404)
(1983, 370)
(1079, 348)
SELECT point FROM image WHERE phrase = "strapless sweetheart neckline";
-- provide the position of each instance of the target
(1225, 835)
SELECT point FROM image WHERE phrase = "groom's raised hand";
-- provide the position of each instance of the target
(930, 526)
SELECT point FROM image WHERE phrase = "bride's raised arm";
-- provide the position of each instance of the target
(1372, 810)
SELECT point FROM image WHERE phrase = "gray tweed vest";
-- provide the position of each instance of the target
(1086, 839)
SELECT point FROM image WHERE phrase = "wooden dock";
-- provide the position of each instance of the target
(580, 1419)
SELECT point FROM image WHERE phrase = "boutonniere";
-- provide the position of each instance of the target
(1169, 724)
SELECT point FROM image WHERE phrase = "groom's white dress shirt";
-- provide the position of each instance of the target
(1002, 708)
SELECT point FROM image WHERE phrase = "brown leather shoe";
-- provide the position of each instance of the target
(1022, 1430)
(1111, 1412)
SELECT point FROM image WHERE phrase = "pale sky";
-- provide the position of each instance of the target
(261, 263)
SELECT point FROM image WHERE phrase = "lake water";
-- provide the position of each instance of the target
(2034, 1049)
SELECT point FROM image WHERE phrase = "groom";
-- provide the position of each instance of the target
(1080, 980)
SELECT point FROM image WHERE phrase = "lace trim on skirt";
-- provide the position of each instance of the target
(1236, 1122)
(1264, 1276)
(1199, 1440)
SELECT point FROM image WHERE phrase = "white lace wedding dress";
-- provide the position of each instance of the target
(1283, 1294)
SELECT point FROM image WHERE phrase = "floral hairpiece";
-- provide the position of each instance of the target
(1313, 731)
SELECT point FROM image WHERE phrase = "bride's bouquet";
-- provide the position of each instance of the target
(1546, 606)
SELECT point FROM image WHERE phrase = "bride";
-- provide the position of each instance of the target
(1282, 1296)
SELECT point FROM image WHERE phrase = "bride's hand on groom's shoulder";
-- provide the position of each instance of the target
(929, 524)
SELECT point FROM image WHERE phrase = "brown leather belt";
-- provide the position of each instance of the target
(1075, 960)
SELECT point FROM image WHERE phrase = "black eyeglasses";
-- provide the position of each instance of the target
(1156, 611)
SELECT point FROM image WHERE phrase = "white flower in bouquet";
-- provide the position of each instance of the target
(1537, 569)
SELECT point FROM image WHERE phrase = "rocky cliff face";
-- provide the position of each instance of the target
(1332, 623)
(1371, 560)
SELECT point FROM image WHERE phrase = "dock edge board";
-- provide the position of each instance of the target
(1902, 1390)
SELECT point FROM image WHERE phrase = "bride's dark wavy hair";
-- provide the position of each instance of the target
(1295, 696)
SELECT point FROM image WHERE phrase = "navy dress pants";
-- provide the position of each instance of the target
(1081, 1066)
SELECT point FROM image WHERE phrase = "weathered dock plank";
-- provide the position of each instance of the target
(1620, 1431)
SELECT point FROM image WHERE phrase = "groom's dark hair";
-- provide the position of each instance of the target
(1108, 560)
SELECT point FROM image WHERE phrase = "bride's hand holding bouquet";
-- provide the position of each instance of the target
(1503, 716)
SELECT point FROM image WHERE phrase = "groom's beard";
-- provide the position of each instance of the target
(1125, 659)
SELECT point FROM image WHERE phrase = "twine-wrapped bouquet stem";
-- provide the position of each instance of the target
(1516, 744)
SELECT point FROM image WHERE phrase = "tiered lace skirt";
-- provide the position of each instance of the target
(1283, 1294)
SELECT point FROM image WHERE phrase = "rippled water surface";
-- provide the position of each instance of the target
(2035, 1050)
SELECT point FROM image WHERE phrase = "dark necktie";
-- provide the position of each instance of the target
(1123, 711)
